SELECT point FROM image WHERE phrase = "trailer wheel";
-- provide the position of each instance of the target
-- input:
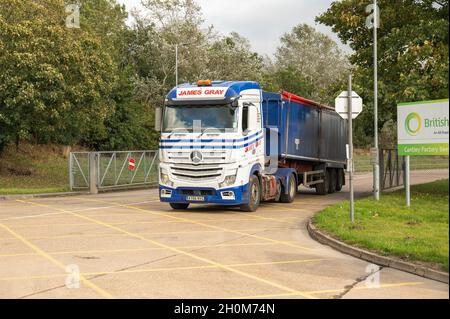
(291, 191)
(254, 195)
(322, 188)
(333, 179)
(339, 179)
(179, 205)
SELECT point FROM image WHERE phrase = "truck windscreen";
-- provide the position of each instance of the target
(221, 117)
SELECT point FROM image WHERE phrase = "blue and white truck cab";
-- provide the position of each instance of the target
(217, 147)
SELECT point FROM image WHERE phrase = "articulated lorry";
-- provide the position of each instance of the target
(231, 143)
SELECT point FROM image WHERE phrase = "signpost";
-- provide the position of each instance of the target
(422, 129)
(348, 105)
(373, 21)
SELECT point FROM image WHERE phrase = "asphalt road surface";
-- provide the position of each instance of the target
(129, 245)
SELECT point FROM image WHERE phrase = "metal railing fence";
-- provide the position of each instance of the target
(106, 170)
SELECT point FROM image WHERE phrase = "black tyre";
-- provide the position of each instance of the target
(332, 180)
(322, 188)
(339, 179)
(179, 205)
(291, 191)
(254, 195)
(279, 190)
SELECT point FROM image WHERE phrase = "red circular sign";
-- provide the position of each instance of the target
(131, 164)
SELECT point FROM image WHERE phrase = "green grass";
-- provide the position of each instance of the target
(15, 191)
(33, 169)
(417, 234)
(363, 163)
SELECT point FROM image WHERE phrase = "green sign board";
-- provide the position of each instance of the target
(423, 128)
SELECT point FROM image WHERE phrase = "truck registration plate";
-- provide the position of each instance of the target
(196, 198)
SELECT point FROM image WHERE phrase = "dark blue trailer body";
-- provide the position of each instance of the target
(307, 131)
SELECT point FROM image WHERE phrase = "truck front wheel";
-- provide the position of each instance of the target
(179, 205)
(254, 195)
(289, 196)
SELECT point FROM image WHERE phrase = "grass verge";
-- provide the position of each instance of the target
(33, 169)
(417, 234)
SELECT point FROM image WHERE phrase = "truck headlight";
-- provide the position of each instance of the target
(229, 180)
(164, 178)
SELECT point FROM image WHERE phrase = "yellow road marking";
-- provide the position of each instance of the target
(182, 252)
(137, 249)
(315, 292)
(401, 284)
(163, 212)
(214, 227)
(75, 210)
(281, 220)
(42, 253)
(132, 271)
(104, 235)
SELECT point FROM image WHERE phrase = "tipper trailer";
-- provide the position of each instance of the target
(231, 143)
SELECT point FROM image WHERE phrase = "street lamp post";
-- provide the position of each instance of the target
(176, 65)
(376, 185)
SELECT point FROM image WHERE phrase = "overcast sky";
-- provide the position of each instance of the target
(260, 21)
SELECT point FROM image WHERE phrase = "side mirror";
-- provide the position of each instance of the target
(158, 118)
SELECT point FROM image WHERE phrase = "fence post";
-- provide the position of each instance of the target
(71, 171)
(407, 182)
(93, 173)
(381, 168)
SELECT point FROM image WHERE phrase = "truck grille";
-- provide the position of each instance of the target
(196, 172)
(209, 156)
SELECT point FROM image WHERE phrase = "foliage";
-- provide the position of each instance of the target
(310, 64)
(59, 84)
(202, 53)
(412, 49)
(54, 82)
(99, 85)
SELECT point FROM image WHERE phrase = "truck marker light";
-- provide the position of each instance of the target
(204, 83)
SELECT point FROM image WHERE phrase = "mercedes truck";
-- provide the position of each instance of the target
(231, 143)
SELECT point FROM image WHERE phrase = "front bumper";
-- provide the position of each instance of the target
(210, 195)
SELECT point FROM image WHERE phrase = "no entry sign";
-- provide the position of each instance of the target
(131, 164)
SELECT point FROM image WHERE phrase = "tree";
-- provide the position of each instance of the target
(231, 58)
(203, 53)
(65, 85)
(129, 122)
(412, 49)
(310, 64)
(55, 82)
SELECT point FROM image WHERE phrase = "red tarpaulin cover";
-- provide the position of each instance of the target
(295, 98)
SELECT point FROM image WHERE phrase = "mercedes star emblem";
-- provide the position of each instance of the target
(196, 157)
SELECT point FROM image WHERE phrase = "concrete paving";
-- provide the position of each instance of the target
(129, 245)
